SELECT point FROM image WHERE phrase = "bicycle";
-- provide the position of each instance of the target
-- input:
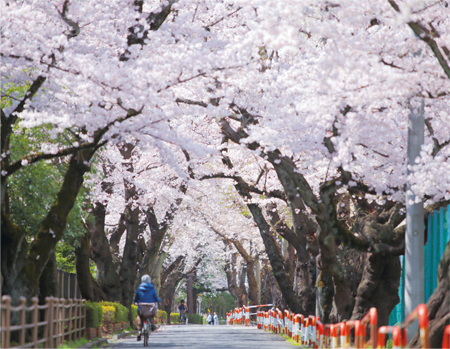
(145, 332)
(146, 325)
(182, 319)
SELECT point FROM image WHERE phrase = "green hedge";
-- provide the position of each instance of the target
(174, 318)
(94, 314)
(121, 312)
(109, 314)
(162, 315)
(134, 311)
(195, 319)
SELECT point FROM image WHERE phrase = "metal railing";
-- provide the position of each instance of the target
(311, 332)
(61, 319)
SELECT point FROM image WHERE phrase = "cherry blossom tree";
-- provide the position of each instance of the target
(93, 73)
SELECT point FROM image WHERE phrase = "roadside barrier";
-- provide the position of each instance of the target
(295, 328)
(320, 330)
(357, 331)
(420, 313)
(372, 318)
(446, 339)
(64, 319)
(286, 322)
(310, 331)
(396, 336)
(334, 336)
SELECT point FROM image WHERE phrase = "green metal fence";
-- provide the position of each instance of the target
(438, 234)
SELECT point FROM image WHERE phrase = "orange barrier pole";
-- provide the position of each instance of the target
(372, 318)
(396, 336)
(326, 336)
(320, 330)
(270, 320)
(291, 329)
(286, 322)
(312, 330)
(280, 318)
(357, 325)
(343, 334)
(333, 334)
(301, 324)
(305, 336)
(446, 339)
(295, 328)
(421, 313)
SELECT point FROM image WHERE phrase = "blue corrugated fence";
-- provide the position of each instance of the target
(438, 234)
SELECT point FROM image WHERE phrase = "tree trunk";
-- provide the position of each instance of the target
(276, 260)
(438, 305)
(25, 265)
(89, 288)
(325, 289)
(107, 275)
(252, 284)
(48, 282)
(378, 287)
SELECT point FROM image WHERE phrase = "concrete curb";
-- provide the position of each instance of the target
(101, 341)
(97, 343)
(125, 334)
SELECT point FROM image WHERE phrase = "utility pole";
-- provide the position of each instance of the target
(189, 293)
(258, 279)
(415, 225)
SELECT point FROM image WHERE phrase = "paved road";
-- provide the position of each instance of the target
(208, 337)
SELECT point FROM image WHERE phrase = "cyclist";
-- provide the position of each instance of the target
(183, 309)
(146, 293)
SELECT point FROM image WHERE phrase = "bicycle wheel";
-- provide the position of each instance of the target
(146, 339)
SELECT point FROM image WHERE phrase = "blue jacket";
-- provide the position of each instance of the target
(146, 293)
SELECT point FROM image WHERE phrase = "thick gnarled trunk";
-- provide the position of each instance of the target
(89, 288)
(23, 264)
(438, 305)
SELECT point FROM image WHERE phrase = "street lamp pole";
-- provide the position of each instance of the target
(415, 225)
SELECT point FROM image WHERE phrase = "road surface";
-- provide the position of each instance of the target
(207, 337)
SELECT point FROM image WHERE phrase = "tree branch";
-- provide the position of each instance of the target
(424, 34)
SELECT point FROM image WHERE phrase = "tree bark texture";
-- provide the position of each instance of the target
(89, 287)
(438, 305)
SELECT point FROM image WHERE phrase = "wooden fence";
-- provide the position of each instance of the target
(63, 320)
(68, 285)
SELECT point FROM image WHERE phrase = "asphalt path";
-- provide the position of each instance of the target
(208, 337)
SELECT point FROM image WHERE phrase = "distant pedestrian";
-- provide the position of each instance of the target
(209, 319)
(216, 319)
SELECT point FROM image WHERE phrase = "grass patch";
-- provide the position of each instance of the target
(290, 340)
(76, 344)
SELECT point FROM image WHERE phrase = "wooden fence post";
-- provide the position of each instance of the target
(22, 304)
(6, 321)
(84, 318)
(70, 319)
(35, 318)
(75, 318)
(49, 311)
(61, 321)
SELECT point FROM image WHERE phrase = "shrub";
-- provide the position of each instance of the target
(195, 319)
(161, 315)
(109, 314)
(133, 311)
(175, 317)
(94, 314)
(121, 312)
